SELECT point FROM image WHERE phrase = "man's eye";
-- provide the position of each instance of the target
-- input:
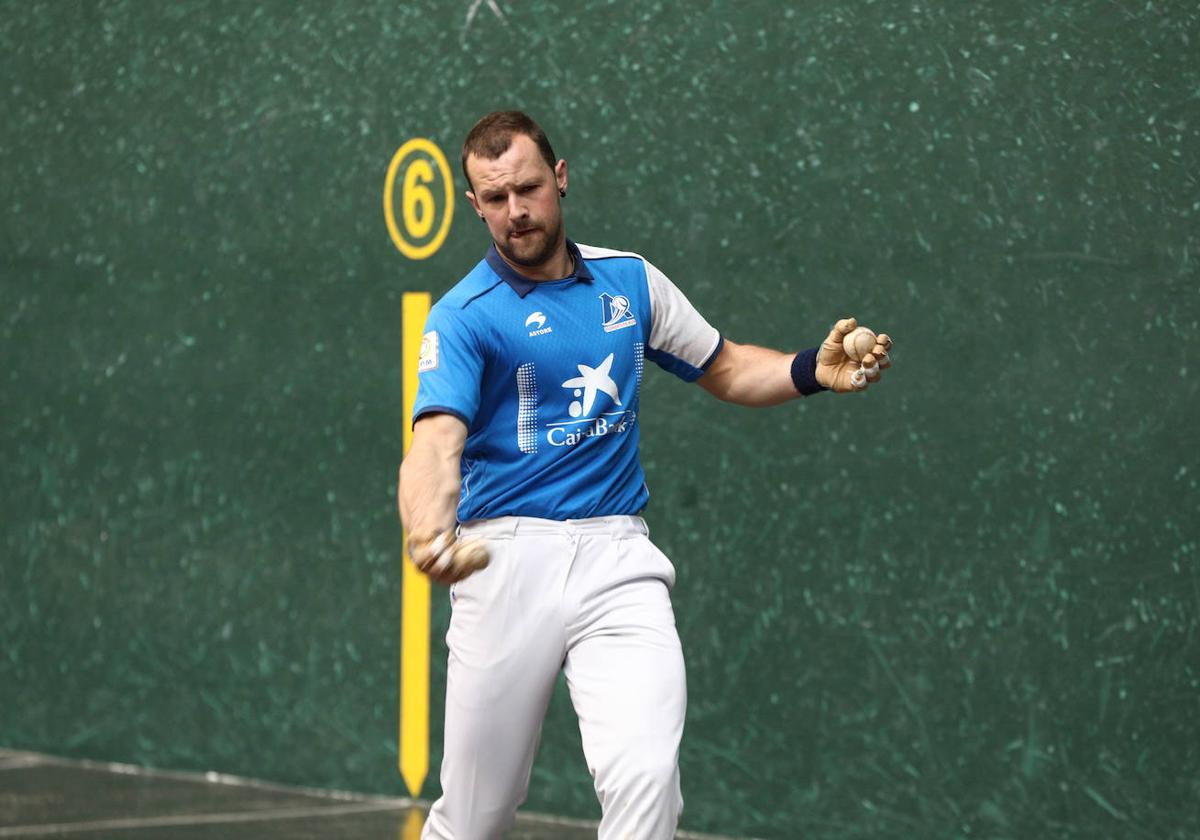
(529, 188)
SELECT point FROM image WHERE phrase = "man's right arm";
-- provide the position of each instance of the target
(430, 481)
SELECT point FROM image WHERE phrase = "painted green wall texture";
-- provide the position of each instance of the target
(965, 604)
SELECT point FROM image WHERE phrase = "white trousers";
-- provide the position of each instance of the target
(590, 597)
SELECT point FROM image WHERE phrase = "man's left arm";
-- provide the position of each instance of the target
(757, 376)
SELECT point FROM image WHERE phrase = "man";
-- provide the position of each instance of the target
(526, 433)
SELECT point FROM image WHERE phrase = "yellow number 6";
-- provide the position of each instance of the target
(417, 201)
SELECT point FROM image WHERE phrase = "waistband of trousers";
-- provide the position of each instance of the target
(507, 527)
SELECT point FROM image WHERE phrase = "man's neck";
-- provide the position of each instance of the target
(558, 266)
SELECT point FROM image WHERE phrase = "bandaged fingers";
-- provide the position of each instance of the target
(871, 367)
(852, 357)
(432, 554)
(883, 350)
(445, 558)
(872, 364)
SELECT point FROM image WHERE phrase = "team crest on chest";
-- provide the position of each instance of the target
(616, 313)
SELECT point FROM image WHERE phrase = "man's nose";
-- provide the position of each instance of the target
(517, 208)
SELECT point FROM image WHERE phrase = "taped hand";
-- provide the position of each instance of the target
(837, 371)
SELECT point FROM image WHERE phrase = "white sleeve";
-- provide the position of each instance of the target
(681, 341)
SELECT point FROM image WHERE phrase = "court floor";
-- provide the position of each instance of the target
(44, 796)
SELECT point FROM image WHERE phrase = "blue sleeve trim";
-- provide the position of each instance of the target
(441, 409)
(685, 371)
(804, 372)
(717, 352)
(674, 364)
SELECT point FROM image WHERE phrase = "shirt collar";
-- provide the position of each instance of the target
(521, 284)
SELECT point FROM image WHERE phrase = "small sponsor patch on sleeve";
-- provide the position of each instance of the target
(429, 352)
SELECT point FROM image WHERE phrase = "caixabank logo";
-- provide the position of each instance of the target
(590, 393)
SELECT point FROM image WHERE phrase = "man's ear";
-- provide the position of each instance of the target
(560, 176)
(474, 204)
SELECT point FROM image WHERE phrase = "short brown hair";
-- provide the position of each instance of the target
(492, 135)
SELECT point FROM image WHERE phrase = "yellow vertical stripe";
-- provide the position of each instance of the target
(414, 624)
(410, 829)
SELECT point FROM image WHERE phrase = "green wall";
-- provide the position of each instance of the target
(966, 604)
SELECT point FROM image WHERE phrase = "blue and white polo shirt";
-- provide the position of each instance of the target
(546, 376)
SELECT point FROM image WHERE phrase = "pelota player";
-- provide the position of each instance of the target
(526, 433)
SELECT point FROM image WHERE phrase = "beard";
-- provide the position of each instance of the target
(530, 253)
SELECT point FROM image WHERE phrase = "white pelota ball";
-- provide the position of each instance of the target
(472, 555)
(858, 343)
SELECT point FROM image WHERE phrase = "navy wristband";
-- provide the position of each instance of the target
(804, 372)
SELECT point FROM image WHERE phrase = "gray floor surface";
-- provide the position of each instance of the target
(44, 796)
